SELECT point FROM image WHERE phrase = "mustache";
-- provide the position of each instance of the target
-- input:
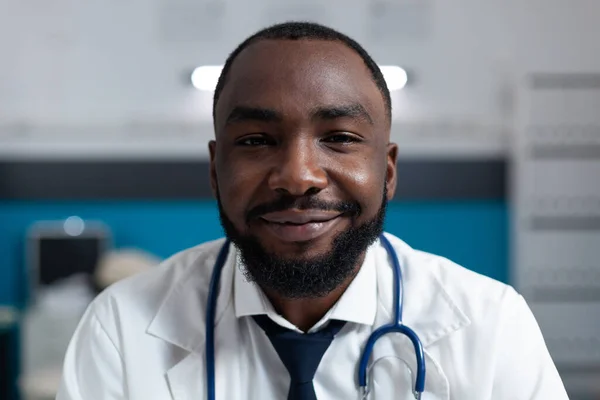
(284, 203)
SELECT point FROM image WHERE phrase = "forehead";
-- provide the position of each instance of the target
(294, 76)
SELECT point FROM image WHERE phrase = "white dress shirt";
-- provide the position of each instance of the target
(144, 338)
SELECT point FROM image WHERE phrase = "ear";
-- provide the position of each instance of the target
(391, 169)
(212, 150)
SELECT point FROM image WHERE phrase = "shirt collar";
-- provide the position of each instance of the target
(358, 304)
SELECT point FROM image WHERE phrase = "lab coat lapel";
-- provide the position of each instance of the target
(181, 322)
(428, 310)
(187, 379)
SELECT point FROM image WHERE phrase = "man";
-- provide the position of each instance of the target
(302, 169)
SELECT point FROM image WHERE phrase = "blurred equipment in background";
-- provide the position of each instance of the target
(59, 250)
(556, 211)
(62, 258)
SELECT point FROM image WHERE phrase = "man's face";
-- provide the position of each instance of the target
(301, 165)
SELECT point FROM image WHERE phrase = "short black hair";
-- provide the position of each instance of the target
(305, 31)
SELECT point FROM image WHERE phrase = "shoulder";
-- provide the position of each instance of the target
(473, 294)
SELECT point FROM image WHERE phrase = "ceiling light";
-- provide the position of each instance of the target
(205, 77)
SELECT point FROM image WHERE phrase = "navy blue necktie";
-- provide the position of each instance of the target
(300, 353)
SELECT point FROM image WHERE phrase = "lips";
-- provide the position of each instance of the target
(300, 225)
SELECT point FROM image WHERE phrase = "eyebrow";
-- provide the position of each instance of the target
(355, 111)
(239, 114)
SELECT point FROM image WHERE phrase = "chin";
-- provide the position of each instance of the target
(298, 250)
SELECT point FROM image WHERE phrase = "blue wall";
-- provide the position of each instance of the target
(473, 233)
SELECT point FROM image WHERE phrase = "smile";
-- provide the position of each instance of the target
(300, 225)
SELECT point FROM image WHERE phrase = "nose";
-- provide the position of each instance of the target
(298, 171)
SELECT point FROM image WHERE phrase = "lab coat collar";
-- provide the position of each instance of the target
(428, 308)
(358, 304)
(181, 318)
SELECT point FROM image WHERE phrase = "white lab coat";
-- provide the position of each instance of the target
(143, 338)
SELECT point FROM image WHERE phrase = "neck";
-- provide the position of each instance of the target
(306, 312)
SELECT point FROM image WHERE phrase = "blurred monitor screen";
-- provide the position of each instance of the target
(60, 258)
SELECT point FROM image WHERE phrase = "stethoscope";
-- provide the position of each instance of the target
(395, 326)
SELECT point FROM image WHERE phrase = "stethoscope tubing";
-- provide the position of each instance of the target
(395, 327)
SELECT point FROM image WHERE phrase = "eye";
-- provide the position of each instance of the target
(342, 138)
(254, 141)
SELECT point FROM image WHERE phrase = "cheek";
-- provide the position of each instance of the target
(237, 185)
(363, 181)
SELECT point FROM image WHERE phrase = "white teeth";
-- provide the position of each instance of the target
(293, 223)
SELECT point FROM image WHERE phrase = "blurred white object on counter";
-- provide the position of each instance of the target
(120, 264)
(46, 331)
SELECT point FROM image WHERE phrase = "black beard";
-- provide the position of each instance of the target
(305, 277)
